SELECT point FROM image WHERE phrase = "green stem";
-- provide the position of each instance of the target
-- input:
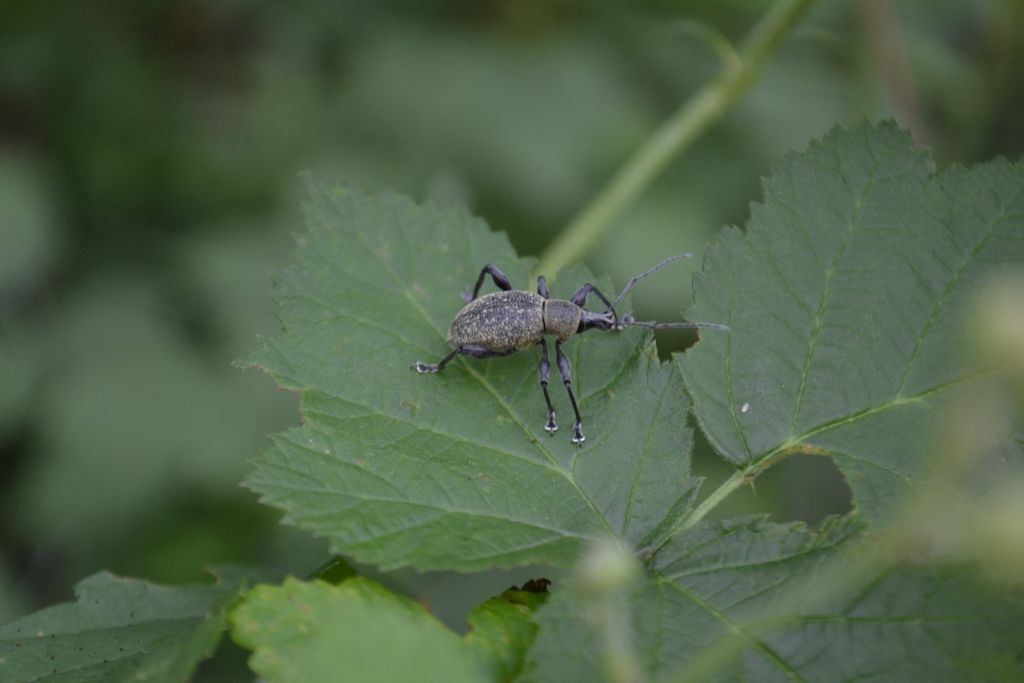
(695, 115)
(736, 480)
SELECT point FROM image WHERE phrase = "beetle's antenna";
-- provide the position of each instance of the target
(678, 326)
(637, 278)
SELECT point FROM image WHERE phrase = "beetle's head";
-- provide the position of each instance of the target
(598, 321)
(608, 320)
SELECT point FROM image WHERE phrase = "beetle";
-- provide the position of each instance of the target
(512, 320)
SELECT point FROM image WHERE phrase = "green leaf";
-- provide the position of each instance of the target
(846, 297)
(355, 631)
(454, 470)
(502, 630)
(118, 630)
(912, 623)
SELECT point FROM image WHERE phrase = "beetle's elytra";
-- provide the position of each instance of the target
(510, 320)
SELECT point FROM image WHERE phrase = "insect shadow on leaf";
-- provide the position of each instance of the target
(511, 320)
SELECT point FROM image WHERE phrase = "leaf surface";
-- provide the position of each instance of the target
(846, 296)
(908, 624)
(118, 630)
(454, 470)
(356, 631)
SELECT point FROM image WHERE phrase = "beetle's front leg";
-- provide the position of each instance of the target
(565, 369)
(543, 372)
(580, 298)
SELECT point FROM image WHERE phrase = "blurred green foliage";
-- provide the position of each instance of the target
(148, 159)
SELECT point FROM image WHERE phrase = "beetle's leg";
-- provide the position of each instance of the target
(481, 352)
(580, 298)
(421, 367)
(467, 349)
(544, 371)
(565, 368)
(500, 281)
(542, 286)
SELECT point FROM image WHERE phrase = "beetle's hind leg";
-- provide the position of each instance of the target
(501, 281)
(421, 367)
(467, 349)
(543, 372)
(481, 352)
(565, 369)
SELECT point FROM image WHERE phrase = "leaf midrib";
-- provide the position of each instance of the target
(364, 497)
(458, 438)
(851, 226)
(880, 408)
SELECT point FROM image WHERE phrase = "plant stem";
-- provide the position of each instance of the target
(736, 480)
(695, 115)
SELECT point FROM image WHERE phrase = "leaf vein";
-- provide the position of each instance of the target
(933, 316)
(364, 498)
(758, 644)
(825, 295)
(642, 462)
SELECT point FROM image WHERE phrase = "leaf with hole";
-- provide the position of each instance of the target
(847, 297)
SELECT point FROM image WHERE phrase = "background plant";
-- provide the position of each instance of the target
(136, 264)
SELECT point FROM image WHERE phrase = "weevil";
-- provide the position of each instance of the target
(512, 320)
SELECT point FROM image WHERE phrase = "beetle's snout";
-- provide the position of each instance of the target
(621, 325)
(598, 321)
